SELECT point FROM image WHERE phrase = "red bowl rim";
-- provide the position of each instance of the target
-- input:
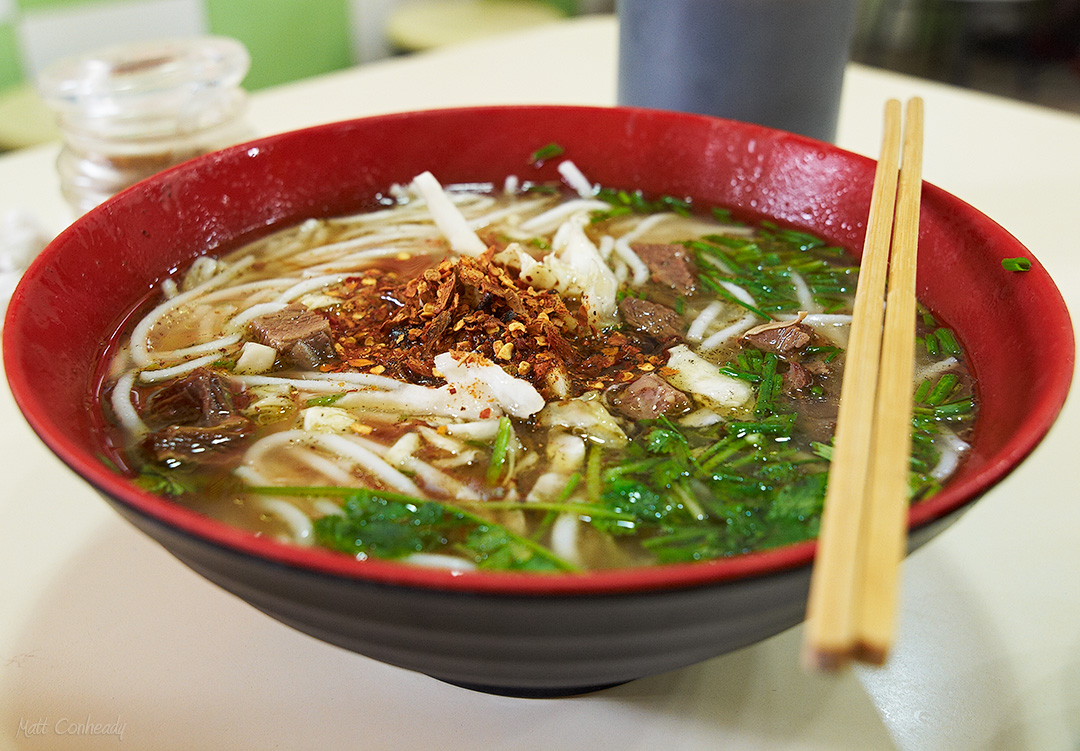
(643, 579)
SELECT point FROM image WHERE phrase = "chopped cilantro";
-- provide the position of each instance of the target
(545, 153)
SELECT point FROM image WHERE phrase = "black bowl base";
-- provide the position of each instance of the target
(533, 693)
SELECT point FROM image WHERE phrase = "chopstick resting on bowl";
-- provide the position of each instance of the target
(851, 611)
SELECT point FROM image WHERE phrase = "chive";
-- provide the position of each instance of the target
(678, 205)
(544, 153)
(923, 391)
(680, 305)
(323, 401)
(828, 350)
(780, 425)
(722, 215)
(723, 291)
(719, 452)
(1016, 264)
(593, 483)
(947, 341)
(931, 344)
(942, 389)
(630, 468)
(959, 407)
(740, 374)
(499, 450)
(569, 488)
(768, 385)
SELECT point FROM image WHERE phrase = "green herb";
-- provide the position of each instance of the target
(1016, 264)
(500, 450)
(830, 352)
(593, 479)
(624, 202)
(165, 482)
(323, 401)
(392, 525)
(947, 342)
(569, 488)
(770, 384)
(931, 343)
(942, 389)
(544, 153)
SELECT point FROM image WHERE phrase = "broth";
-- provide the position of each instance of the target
(518, 378)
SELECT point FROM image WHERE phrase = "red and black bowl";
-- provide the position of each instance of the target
(518, 633)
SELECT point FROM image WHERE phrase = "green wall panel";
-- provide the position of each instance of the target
(287, 39)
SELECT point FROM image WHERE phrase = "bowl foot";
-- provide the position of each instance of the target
(533, 693)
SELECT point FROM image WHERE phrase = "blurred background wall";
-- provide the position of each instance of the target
(1029, 49)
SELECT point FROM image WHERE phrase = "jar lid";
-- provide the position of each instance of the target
(154, 78)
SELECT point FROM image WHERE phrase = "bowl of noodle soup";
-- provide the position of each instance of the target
(533, 400)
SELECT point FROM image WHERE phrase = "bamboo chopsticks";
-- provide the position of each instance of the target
(852, 605)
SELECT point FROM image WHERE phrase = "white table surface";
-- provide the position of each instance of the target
(98, 623)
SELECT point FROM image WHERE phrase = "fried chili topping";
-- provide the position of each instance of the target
(394, 324)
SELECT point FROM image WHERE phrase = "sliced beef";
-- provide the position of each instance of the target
(648, 398)
(652, 318)
(300, 335)
(200, 398)
(199, 418)
(797, 378)
(783, 338)
(199, 444)
(670, 265)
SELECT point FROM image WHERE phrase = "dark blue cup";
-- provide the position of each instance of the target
(778, 63)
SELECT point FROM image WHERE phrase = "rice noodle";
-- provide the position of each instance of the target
(217, 346)
(242, 319)
(124, 409)
(704, 319)
(301, 530)
(802, 293)
(636, 266)
(432, 477)
(725, 335)
(935, 369)
(141, 333)
(439, 560)
(309, 285)
(952, 448)
(365, 459)
(553, 217)
(740, 293)
(447, 217)
(576, 179)
(164, 374)
(564, 537)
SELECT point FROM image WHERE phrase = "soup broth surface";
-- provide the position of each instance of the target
(512, 377)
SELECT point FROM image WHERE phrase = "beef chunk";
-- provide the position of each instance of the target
(652, 318)
(200, 419)
(648, 398)
(783, 338)
(300, 335)
(670, 265)
(797, 378)
(201, 444)
(200, 398)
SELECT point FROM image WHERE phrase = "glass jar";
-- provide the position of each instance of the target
(129, 111)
